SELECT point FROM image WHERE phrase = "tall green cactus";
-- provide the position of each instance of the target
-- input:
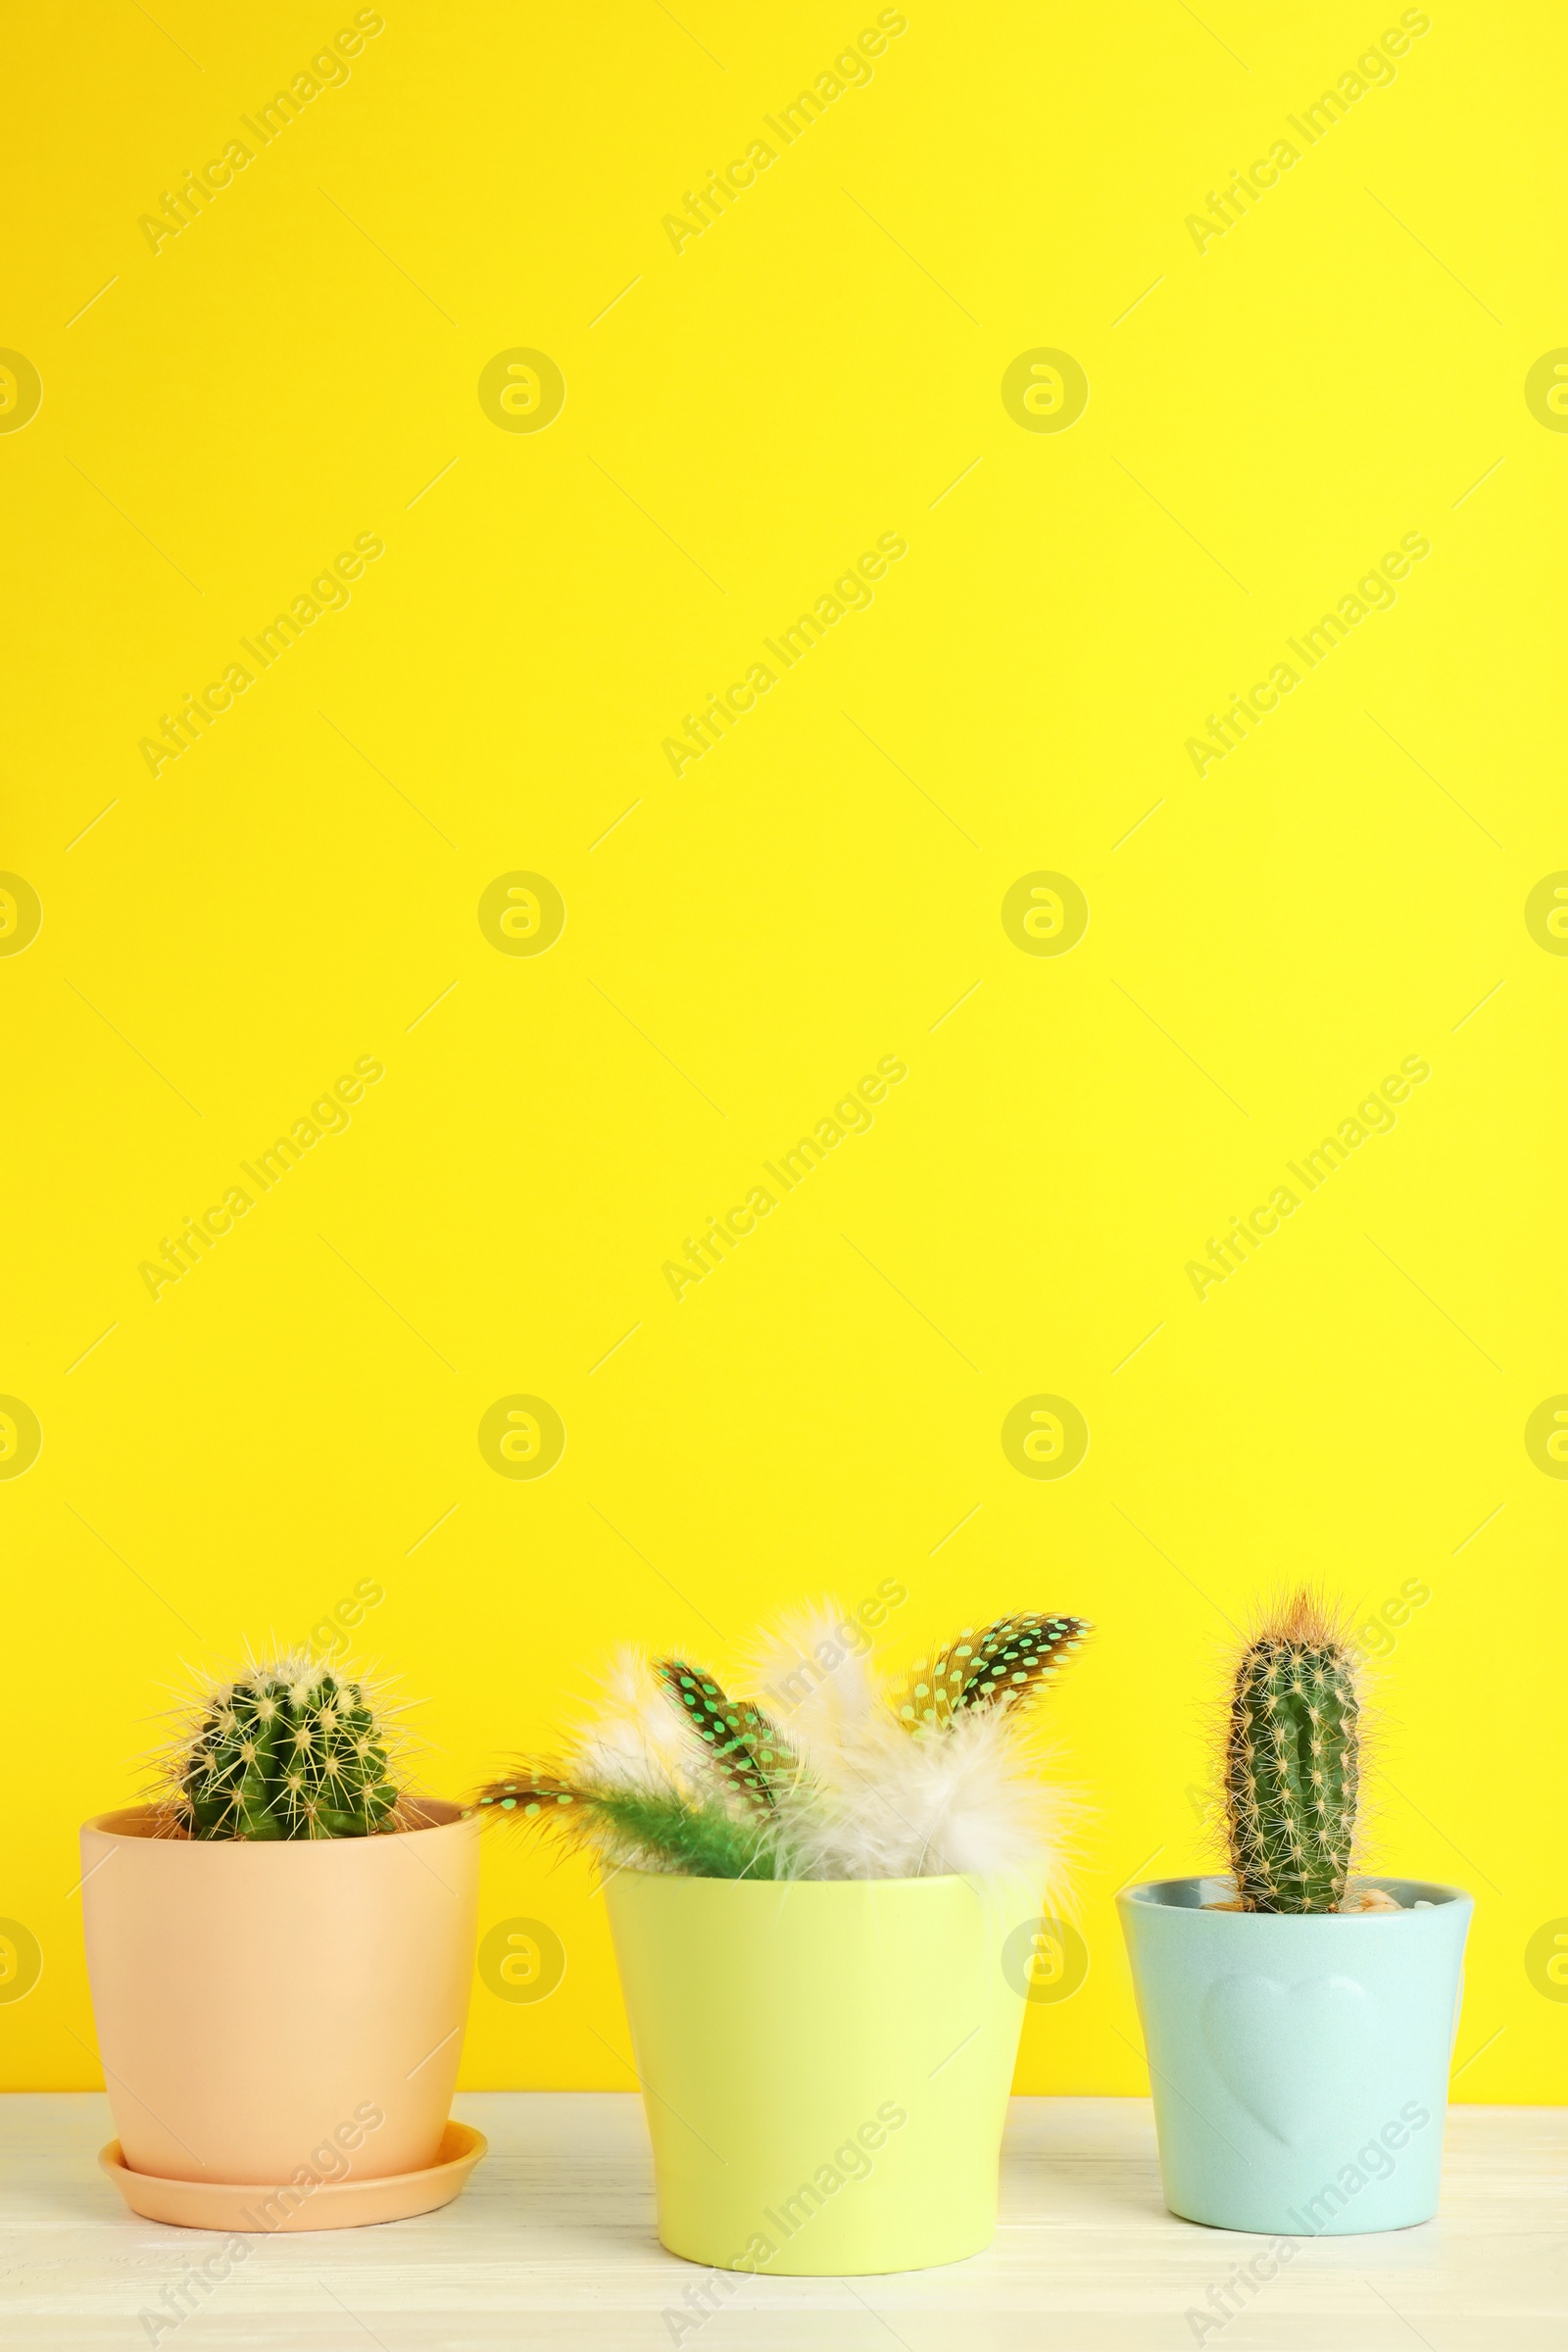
(288, 1750)
(1293, 1763)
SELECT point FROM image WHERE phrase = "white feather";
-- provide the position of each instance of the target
(632, 1739)
(876, 1802)
(818, 1686)
(871, 1799)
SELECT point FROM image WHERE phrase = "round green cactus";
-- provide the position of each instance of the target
(290, 1750)
(1293, 1764)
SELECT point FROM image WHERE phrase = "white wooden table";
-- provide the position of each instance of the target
(554, 2244)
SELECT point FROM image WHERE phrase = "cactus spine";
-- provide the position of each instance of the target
(289, 1749)
(1293, 1764)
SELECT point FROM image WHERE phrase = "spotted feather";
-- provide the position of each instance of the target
(990, 1665)
(745, 1749)
(528, 1796)
(1018, 1653)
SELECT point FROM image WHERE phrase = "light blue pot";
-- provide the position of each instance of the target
(1299, 2063)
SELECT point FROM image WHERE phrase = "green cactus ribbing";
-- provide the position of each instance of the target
(287, 1751)
(1292, 1766)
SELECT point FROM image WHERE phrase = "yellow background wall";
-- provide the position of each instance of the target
(1270, 411)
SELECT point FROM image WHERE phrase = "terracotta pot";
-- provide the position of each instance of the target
(264, 2008)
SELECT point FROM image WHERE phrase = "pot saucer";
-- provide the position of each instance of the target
(332, 2205)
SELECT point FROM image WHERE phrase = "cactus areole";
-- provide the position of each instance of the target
(289, 1751)
(1292, 1766)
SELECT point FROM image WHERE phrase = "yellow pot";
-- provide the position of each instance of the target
(826, 2063)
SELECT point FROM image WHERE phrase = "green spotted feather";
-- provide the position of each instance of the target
(994, 1665)
(841, 1795)
(641, 1827)
(745, 1749)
